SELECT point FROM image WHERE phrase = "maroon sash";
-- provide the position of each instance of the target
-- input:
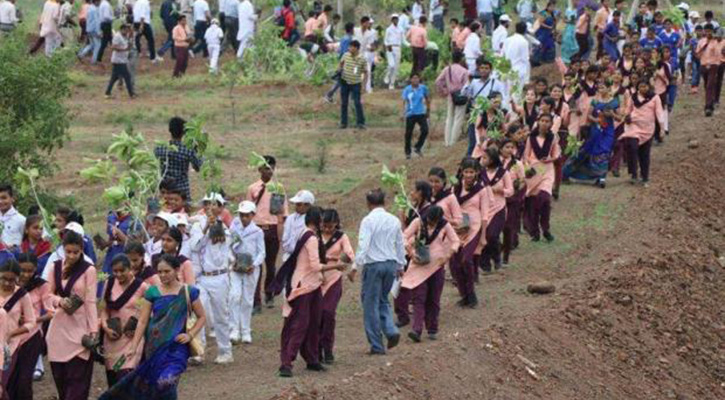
(647, 99)
(423, 211)
(146, 272)
(539, 151)
(530, 118)
(333, 240)
(34, 283)
(441, 195)
(261, 193)
(14, 299)
(62, 291)
(439, 227)
(124, 297)
(283, 279)
(500, 172)
(474, 191)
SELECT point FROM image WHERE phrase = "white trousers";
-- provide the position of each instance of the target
(241, 302)
(52, 42)
(393, 59)
(214, 50)
(455, 118)
(215, 297)
(370, 58)
(245, 41)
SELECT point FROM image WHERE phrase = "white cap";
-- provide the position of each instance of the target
(394, 16)
(247, 207)
(694, 14)
(181, 219)
(75, 227)
(303, 196)
(504, 18)
(683, 6)
(213, 196)
(168, 217)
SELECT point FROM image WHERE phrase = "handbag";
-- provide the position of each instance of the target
(195, 347)
(459, 99)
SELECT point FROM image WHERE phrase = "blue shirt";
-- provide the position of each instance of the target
(344, 45)
(653, 44)
(415, 100)
(93, 21)
(671, 40)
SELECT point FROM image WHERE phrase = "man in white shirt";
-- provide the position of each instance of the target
(67, 21)
(381, 255)
(8, 16)
(472, 48)
(416, 11)
(247, 20)
(367, 37)
(404, 20)
(13, 223)
(485, 14)
(482, 85)
(393, 42)
(142, 25)
(213, 37)
(436, 14)
(49, 19)
(294, 225)
(202, 17)
(516, 50)
(231, 24)
(248, 248)
(105, 13)
(500, 34)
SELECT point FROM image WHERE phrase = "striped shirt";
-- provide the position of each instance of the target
(353, 68)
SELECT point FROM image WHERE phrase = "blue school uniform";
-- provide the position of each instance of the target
(610, 45)
(671, 40)
(653, 44)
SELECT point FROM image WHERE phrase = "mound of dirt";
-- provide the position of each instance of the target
(646, 321)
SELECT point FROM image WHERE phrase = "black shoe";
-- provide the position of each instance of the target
(505, 259)
(601, 183)
(285, 372)
(401, 324)
(462, 303)
(328, 359)
(486, 270)
(555, 194)
(497, 266)
(708, 113)
(407, 156)
(535, 238)
(393, 341)
(414, 337)
(257, 309)
(361, 127)
(316, 367)
(341, 126)
(472, 300)
(549, 237)
(376, 353)
(419, 153)
(615, 173)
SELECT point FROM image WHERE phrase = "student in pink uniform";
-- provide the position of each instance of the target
(33, 341)
(119, 319)
(172, 240)
(493, 120)
(70, 362)
(301, 278)
(560, 109)
(496, 177)
(474, 201)
(425, 281)
(3, 342)
(663, 77)
(336, 243)
(644, 112)
(582, 100)
(20, 322)
(444, 197)
(136, 253)
(542, 149)
(514, 202)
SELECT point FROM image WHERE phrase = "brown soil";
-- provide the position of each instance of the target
(637, 311)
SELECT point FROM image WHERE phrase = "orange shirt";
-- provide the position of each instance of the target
(418, 36)
(21, 311)
(180, 35)
(333, 257)
(263, 217)
(710, 51)
(321, 22)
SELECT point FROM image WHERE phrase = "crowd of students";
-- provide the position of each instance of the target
(190, 271)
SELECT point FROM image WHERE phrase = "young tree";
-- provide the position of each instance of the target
(34, 119)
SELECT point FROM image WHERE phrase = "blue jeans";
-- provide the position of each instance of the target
(471, 139)
(671, 96)
(346, 90)
(486, 21)
(377, 279)
(168, 44)
(695, 82)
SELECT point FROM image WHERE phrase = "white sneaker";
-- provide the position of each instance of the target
(224, 359)
(157, 60)
(247, 339)
(212, 334)
(38, 375)
(196, 360)
(191, 54)
(234, 338)
(391, 87)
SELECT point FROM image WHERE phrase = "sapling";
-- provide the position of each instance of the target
(25, 179)
(275, 188)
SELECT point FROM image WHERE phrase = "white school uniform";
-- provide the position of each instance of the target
(241, 296)
(213, 285)
(13, 224)
(213, 37)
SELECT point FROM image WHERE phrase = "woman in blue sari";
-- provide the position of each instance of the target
(162, 324)
(592, 161)
(546, 35)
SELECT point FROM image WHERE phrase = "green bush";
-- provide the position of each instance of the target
(34, 119)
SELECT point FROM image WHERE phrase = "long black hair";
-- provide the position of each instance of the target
(178, 237)
(73, 238)
(425, 190)
(493, 157)
(314, 217)
(330, 215)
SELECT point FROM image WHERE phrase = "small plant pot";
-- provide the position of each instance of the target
(422, 254)
(76, 303)
(530, 173)
(345, 259)
(114, 324)
(131, 325)
(465, 223)
(276, 204)
(242, 262)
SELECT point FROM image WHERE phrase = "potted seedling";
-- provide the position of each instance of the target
(572, 146)
(278, 194)
(398, 180)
